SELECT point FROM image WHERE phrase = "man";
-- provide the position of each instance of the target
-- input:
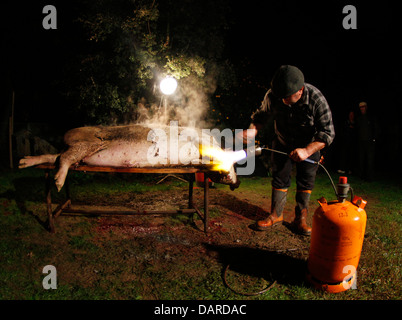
(367, 132)
(303, 126)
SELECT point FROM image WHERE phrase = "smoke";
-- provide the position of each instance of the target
(189, 105)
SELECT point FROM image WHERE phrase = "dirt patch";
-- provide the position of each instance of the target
(232, 215)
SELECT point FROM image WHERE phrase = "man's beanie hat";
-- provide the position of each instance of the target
(287, 81)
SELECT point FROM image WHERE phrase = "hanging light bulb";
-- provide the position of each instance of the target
(168, 85)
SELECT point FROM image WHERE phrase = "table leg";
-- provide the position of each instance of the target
(206, 195)
(190, 191)
(49, 201)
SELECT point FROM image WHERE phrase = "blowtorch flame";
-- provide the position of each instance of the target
(221, 160)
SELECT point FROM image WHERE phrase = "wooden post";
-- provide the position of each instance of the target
(11, 131)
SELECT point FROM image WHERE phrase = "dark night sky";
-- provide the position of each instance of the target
(347, 65)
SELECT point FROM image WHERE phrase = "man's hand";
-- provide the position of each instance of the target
(299, 154)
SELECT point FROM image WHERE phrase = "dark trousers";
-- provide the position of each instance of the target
(366, 159)
(282, 170)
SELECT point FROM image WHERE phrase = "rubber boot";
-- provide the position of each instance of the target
(278, 201)
(299, 225)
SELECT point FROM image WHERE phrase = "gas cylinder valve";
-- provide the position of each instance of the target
(343, 189)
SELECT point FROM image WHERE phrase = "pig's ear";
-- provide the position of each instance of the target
(229, 178)
(235, 185)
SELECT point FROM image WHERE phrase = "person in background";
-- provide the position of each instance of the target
(303, 126)
(368, 131)
(347, 139)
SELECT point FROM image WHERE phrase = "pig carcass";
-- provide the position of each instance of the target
(135, 146)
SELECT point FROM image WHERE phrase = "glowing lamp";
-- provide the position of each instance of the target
(168, 85)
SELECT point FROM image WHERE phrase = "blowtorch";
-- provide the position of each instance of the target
(257, 151)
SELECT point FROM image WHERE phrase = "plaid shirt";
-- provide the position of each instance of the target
(308, 120)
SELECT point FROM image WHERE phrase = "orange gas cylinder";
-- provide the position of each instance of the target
(336, 241)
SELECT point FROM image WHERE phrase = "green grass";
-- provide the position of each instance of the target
(166, 265)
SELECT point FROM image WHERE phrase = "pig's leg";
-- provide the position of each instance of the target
(72, 155)
(29, 161)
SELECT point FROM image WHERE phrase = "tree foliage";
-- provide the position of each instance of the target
(128, 45)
